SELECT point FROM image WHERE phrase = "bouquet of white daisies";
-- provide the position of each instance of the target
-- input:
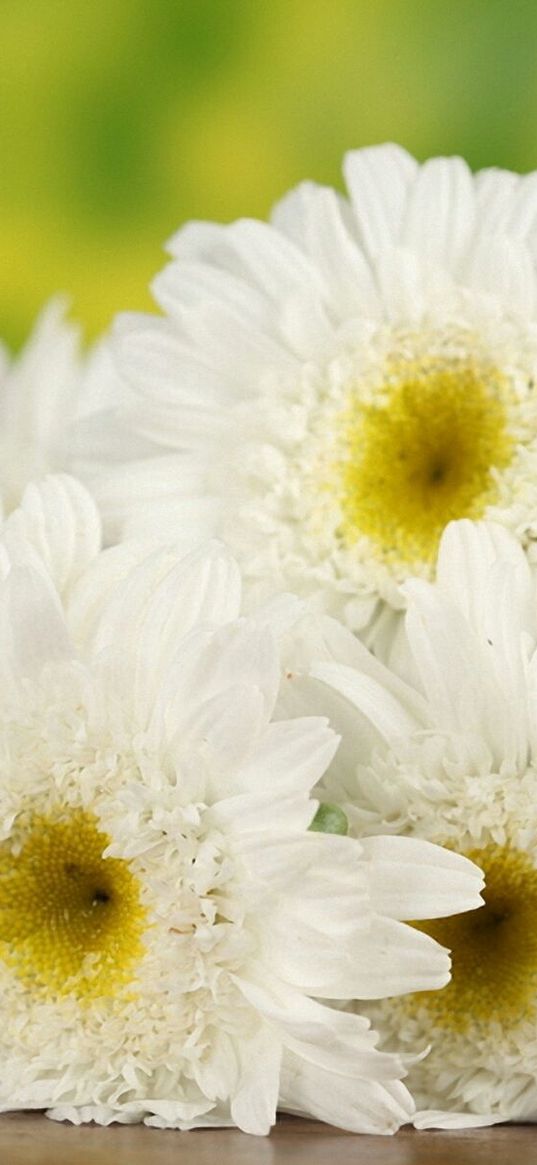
(268, 649)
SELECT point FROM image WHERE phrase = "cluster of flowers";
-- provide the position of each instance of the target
(268, 639)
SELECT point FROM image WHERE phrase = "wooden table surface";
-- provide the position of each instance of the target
(31, 1139)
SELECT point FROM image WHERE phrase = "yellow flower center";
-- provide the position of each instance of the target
(70, 919)
(423, 455)
(494, 948)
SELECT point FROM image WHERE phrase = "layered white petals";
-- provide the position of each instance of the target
(38, 403)
(303, 747)
(56, 527)
(450, 758)
(321, 1034)
(379, 179)
(454, 1120)
(254, 1104)
(134, 691)
(59, 413)
(362, 1106)
(439, 214)
(237, 395)
(389, 715)
(33, 631)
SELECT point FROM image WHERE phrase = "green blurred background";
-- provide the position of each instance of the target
(119, 119)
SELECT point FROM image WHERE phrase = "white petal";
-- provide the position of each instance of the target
(159, 484)
(327, 910)
(206, 666)
(504, 267)
(339, 1041)
(364, 1106)
(403, 285)
(393, 960)
(287, 863)
(414, 879)
(225, 729)
(358, 739)
(95, 588)
(274, 262)
(99, 1114)
(440, 212)
(199, 240)
(38, 402)
(379, 179)
(57, 526)
(346, 273)
(186, 522)
(436, 1119)
(495, 193)
(33, 632)
(167, 371)
(390, 717)
(466, 554)
(248, 816)
(455, 671)
(253, 1106)
(223, 334)
(522, 216)
(186, 284)
(166, 597)
(292, 756)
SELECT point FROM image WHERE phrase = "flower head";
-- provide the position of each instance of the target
(329, 390)
(173, 937)
(443, 749)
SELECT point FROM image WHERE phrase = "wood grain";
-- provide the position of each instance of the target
(31, 1139)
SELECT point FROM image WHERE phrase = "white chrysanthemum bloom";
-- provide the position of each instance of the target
(449, 754)
(329, 390)
(171, 931)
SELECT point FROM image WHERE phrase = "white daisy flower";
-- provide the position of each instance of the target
(449, 754)
(329, 390)
(172, 933)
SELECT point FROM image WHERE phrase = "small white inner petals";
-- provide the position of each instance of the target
(300, 525)
(173, 1007)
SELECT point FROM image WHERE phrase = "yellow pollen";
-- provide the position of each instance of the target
(71, 921)
(423, 454)
(494, 948)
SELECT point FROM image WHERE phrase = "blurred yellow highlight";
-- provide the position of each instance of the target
(121, 119)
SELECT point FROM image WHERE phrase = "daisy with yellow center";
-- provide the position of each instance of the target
(168, 921)
(71, 919)
(482, 1066)
(443, 748)
(333, 388)
(494, 949)
(424, 451)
